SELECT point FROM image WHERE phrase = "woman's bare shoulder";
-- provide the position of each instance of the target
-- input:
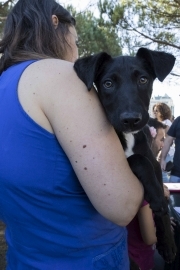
(50, 66)
(52, 75)
(46, 82)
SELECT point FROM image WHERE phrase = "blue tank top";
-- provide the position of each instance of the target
(50, 222)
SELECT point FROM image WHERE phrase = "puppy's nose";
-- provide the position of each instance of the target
(131, 120)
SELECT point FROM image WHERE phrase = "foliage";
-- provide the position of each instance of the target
(124, 25)
(95, 34)
(146, 23)
(5, 7)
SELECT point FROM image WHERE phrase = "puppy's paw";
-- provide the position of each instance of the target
(165, 239)
(168, 252)
(159, 205)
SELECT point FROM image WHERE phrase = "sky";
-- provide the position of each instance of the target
(170, 86)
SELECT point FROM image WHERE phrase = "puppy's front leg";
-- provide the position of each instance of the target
(165, 240)
(154, 195)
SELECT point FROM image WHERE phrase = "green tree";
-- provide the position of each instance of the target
(151, 24)
(5, 7)
(95, 34)
(145, 23)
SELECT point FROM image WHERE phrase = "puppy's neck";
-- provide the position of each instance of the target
(130, 141)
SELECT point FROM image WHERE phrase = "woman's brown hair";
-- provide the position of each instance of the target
(30, 34)
(164, 109)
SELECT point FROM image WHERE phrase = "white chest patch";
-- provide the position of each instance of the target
(130, 144)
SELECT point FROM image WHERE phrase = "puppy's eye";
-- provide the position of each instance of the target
(108, 84)
(143, 80)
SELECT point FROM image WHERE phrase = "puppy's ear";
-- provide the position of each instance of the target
(160, 62)
(88, 68)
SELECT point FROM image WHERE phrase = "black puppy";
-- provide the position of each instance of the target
(124, 86)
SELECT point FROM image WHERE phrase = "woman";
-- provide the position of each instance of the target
(64, 178)
(162, 113)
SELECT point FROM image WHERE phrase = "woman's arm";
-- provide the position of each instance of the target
(76, 117)
(146, 224)
(166, 130)
(168, 123)
(167, 144)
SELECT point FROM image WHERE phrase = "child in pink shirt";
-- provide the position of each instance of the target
(142, 238)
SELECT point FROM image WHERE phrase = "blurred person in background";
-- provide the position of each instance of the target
(162, 113)
(157, 130)
(173, 134)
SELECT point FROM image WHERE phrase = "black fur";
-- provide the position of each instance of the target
(124, 86)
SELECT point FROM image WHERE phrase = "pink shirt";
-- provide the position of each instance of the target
(141, 253)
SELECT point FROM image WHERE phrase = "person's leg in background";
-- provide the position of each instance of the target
(174, 179)
(165, 177)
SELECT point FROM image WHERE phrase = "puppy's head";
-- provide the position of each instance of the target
(124, 84)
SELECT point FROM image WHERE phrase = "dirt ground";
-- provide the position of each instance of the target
(3, 247)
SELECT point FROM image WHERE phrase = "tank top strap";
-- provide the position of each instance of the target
(13, 73)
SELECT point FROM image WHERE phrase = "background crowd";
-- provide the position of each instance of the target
(170, 149)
